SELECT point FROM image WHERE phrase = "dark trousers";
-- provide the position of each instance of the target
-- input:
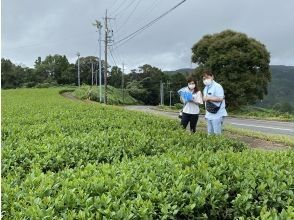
(192, 118)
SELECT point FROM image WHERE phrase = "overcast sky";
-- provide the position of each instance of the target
(32, 28)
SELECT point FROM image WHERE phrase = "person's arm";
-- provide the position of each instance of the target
(179, 92)
(198, 98)
(181, 99)
(218, 97)
(212, 99)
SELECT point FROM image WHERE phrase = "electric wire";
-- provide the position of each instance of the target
(132, 35)
(128, 18)
(123, 9)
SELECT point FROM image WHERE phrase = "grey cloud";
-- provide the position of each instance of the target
(35, 28)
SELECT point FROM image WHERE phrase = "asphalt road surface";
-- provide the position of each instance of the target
(270, 127)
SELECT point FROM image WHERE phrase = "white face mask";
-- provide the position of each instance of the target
(191, 86)
(207, 82)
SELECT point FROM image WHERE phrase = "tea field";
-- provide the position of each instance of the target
(63, 159)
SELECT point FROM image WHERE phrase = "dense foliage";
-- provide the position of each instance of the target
(280, 91)
(53, 70)
(263, 113)
(239, 63)
(73, 160)
(114, 96)
(143, 83)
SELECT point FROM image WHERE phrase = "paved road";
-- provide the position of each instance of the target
(270, 127)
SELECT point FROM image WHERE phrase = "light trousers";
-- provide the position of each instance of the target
(214, 126)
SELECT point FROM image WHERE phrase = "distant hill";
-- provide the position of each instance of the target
(183, 70)
(280, 89)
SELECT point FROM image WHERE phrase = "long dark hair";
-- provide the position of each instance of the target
(191, 79)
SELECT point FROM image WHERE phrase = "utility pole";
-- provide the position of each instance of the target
(100, 65)
(105, 59)
(92, 69)
(99, 27)
(170, 92)
(96, 75)
(168, 84)
(161, 93)
(79, 82)
(160, 90)
(106, 41)
(123, 82)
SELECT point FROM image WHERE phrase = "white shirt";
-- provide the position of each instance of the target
(215, 89)
(192, 107)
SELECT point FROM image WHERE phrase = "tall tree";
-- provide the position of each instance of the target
(115, 78)
(68, 76)
(13, 76)
(86, 69)
(8, 77)
(42, 71)
(176, 81)
(150, 78)
(239, 63)
(54, 68)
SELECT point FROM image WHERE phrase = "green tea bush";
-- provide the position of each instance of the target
(73, 160)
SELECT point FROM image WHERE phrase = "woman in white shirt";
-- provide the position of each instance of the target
(191, 105)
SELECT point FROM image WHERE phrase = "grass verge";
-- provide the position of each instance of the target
(283, 139)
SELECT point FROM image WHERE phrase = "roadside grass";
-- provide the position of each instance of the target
(275, 138)
(114, 95)
(249, 112)
(254, 112)
(283, 139)
(173, 108)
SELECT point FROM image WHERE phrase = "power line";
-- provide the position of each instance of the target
(132, 12)
(122, 10)
(96, 48)
(112, 57)
(118, 51)
(149, 10)
(84, 36)
(113, 5)
(119, 6)
(144, 15)
(132, 35)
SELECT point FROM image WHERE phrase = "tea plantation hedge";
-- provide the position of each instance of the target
(63, 159)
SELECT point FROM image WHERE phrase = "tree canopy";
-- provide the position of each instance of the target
(53, 70)
(239, 63)
(13, 76)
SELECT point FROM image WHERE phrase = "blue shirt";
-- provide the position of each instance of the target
(215, 89)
